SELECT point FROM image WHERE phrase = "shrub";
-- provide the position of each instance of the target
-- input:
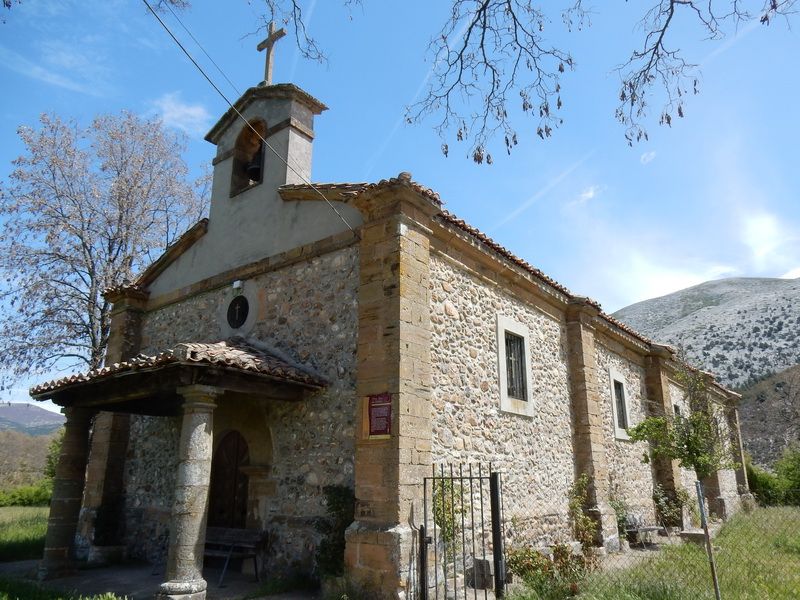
(669, 507)
(340, 502)
(548, 578)
(584, 528)
(788, 470)
(621, 508)
(764, 485)
(781, 488)
(28, 495)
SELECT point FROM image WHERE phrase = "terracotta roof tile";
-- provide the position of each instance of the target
(236, 353)
(347, 191)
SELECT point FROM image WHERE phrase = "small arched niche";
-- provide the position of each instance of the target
(248, 157)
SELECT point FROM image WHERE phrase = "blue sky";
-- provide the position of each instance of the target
(715, 195)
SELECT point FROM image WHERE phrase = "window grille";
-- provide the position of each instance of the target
(619, 398)
(515, 367)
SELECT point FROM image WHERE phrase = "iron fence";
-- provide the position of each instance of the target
(462, 538)
(755, 555)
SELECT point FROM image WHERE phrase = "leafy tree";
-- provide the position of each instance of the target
(84, 208)
(697, 440)
(788, 471)
(53, 452)
(492, 56)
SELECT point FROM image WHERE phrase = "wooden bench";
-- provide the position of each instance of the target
(228, 543)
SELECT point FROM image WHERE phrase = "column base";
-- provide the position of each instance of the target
(381, 559)
(52, 569)
(182, 590)
(607, 533)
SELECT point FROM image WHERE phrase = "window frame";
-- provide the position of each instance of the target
(507, 403)
(615, 376)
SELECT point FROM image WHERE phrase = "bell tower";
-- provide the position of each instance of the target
(263, 141)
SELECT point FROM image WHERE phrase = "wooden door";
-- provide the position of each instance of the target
(228, 494)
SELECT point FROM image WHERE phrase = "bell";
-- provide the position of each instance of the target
(253, 168)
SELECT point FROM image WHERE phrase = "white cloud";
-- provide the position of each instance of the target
(647, 157)
(791, 274)
(548, 187)
(640, 276)
(194, 119)
(590, 193)
(762, 234)
(20, 64)
(774, 243)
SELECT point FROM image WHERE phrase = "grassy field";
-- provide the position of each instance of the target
(757, 556)
(22, 530)
(20, 590)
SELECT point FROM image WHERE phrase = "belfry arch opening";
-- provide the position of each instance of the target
(248, 157)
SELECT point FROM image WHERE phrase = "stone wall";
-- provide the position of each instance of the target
(306, 311)
(631, 478)
(533, 453)
(149, 482)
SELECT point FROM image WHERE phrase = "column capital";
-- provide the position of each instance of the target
(78, 414)
(199, 397)
(662, 351)
(582, 309)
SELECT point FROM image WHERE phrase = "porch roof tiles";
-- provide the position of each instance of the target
(236, 353)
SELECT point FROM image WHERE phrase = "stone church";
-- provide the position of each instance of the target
(352, 334)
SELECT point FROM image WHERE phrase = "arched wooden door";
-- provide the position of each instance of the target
(228, 494)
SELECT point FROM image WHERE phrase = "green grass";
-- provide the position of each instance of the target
(22, 590)
(757, 556)
(22, 531)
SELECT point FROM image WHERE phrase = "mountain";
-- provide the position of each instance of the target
(740, 329)
(769, 413)
(29, 418)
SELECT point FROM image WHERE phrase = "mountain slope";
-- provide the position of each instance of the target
(29, 418)
(739, 329)
(769, 413)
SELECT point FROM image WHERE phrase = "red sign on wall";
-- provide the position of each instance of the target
(380, 414)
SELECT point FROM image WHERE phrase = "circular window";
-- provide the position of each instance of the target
(237, 312)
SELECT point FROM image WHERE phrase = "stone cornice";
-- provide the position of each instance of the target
(279, 91)
(250, 270)
(172, 253)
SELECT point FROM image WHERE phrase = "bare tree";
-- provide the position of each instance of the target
(83, 210)
(492, 57)
(788, 393)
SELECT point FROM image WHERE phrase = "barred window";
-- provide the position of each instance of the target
(619, 398)
(620, 409)
(515, 367)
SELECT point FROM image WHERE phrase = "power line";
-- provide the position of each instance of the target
(241, 116)
(199, 45)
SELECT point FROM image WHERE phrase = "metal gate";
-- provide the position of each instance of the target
(461, 550)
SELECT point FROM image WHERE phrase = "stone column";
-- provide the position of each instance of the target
(659, 404)
(188, 524)
(588, 437)
(102, 517)
(59, 545)
(393, 356)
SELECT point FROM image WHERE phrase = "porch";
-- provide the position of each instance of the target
(189, 382)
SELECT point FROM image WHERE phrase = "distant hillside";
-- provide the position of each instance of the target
(29, 419)
(22, 458)
(739, 329)
(770, 415)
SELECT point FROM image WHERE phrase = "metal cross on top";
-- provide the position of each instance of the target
(272, 37)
